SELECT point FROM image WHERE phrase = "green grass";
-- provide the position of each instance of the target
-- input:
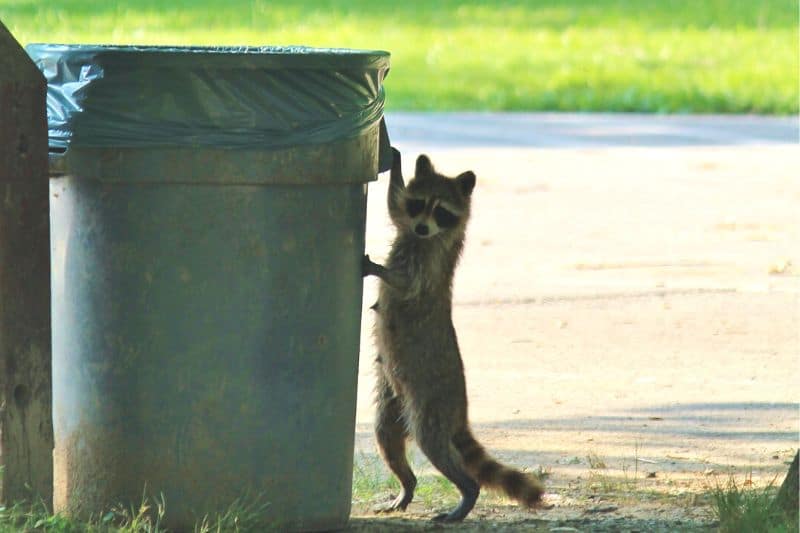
(374, 484)
(248, 514)
(724, 56)
(741, 508)
(23, 517)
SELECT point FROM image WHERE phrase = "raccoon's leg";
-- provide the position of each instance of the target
(437, 446)
(394, 196)
(391, 434)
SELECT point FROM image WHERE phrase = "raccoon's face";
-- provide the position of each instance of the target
(433, 204)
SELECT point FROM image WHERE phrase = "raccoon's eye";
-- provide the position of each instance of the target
(444, 218)
(414, 207)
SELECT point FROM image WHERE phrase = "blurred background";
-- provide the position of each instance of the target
(665, 56)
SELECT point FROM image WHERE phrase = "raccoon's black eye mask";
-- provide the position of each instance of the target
(444, 218)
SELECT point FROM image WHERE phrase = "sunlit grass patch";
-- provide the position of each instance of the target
(722, 56)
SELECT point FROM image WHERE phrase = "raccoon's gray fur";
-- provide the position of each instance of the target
(421, 391)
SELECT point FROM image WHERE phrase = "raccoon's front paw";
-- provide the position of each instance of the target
(368, 267)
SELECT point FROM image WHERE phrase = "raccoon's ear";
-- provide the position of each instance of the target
(466, 181)
(424, 166)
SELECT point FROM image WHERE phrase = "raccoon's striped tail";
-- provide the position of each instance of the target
(523, 487)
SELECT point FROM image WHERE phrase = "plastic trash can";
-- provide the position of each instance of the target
(207, 217)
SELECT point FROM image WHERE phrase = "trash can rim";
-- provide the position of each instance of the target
(283, 56)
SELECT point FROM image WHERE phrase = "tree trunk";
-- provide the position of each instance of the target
(26, 430)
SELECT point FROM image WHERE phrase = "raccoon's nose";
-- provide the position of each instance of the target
(421, 229)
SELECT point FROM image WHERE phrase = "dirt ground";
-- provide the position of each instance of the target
(628, 319)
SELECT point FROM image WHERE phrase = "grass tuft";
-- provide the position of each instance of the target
(743, 507)
(146, 518)
(372, 480)
(373, 483)
(23, 516)
(248, 513)
(595, 461)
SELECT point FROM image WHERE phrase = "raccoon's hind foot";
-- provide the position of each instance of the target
(444, 456)
(458, 514)
(398, 504)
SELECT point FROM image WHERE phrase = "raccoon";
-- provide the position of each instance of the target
(421, 392)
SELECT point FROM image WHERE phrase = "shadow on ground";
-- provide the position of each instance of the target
(737, 436)
(641, 488)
